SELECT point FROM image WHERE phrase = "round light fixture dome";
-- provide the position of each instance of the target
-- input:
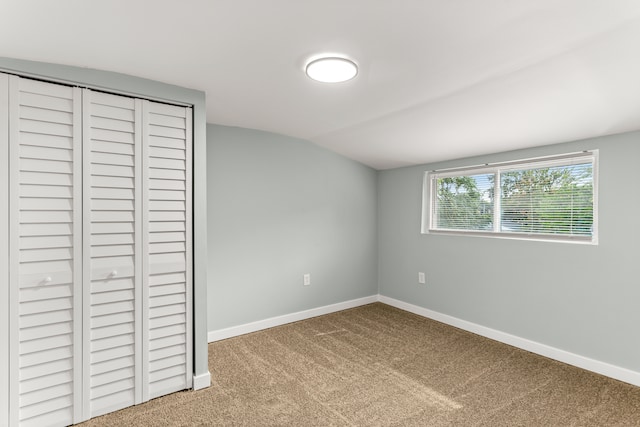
(332, 69)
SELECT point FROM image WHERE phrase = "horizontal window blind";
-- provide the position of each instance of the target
(557, 200)
(464, 202)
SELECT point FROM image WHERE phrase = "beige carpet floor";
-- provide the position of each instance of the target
(379, 366)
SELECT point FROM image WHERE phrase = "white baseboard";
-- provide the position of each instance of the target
(201, 381)
(259, 325)
(606, 369)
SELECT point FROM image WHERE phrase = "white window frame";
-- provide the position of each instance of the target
(429, 191)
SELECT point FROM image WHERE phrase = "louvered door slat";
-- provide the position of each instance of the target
(43, 191)
(46, 128)
(46, 141)
(44, 203)
(159, 141)
(53, 153)
(46, 179)
(46, 318)
(167, 231)
(39, 293)
(46, 101)
(112, 147)
(111, 237)
(125, 113)
(52, 367)
(39, 413)
(44, 115)
(45, 124)
(112, 365)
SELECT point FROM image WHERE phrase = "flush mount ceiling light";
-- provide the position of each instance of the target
(331, 69)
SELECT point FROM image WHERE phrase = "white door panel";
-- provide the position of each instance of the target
(167, 233)
(112, 205)
(45, 240)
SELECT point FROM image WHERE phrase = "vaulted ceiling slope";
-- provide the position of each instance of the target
(439, 79)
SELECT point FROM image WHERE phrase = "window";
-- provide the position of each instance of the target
(552, 198)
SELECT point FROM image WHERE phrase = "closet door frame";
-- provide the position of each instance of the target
(14, 211)
(4, 249)
(189, 247)
(141, 296)
(78, 290)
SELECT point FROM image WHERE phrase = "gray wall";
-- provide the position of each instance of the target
(122, 83)
(279, 207)
(579, 298)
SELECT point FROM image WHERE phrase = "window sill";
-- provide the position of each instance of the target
(580, 240)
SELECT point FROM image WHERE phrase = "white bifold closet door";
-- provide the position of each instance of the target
(137, 250)
(98, 252)
(167, 269)
(45, 307)
(112, 252)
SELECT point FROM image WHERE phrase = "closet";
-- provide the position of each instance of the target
(97, 208)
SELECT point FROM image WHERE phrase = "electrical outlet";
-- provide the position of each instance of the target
(306, 279)
(421, 278)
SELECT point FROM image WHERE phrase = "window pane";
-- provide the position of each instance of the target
(464, 202)
(551, 200)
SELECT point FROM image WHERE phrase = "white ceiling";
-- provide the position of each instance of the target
(439, 79)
